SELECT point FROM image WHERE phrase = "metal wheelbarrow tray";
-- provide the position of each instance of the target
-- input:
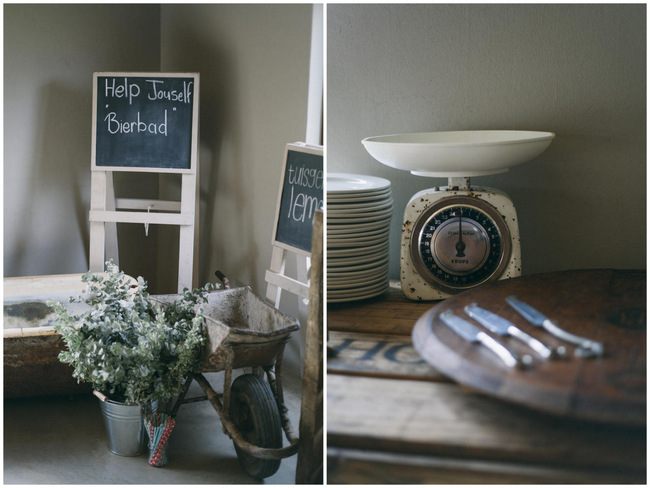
(244, 331)
(241, 329)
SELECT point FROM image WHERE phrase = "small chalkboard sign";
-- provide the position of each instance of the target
(301, 194)
(144, 120)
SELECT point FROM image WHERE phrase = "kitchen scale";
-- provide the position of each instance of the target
(457, 237)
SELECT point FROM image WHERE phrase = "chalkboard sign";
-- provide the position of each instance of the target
(301, 194)
(145, 120)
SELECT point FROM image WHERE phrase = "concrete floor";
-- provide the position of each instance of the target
(61, 440)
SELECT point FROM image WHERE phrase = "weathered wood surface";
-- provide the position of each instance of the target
(390, 423)
(436, 419)
(31, 345)
(605, 305)
(309, 466)
(381, 355)
(381, 315)
(32, 368)
(351, 466)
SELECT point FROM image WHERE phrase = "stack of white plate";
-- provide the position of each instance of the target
(359, 211)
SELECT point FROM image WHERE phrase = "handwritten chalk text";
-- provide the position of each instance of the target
(302, 205)
(116, 126)
(154, 90)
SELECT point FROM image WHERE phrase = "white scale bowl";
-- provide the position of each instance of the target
(458, 153)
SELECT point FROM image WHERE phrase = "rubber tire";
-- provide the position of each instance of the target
(254, 411)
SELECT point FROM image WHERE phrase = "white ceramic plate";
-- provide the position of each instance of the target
(458, 153)
(376, 264)
(360, 218)
(382, 231)
(361, 197)
(335, 262)
(358, 250)
(360, 202)
(338, 270)
(356, 241)
(352, 275)
(355, 184)
(350, 251)
(361, 294)
(338, 284)
(362, 290)
(375, 198)
(346, 229)
(357, 280)
(345, 209)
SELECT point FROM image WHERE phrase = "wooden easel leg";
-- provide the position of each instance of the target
(186, 239)
(97, 231)
(302, 272)
(185, 257)
(278, 263)
(111, 248)
(197, 233)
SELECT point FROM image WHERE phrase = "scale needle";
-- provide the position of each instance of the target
(460, 245)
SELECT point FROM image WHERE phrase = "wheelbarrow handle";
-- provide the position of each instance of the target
(222, 277)
(235, 434)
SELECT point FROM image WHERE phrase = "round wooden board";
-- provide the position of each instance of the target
(605, 305)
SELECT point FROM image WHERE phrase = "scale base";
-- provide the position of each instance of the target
(414, 285)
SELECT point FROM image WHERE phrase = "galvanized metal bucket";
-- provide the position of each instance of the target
(125, 430)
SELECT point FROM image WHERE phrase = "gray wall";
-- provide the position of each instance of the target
(50, 54)
(576, 70)
(254, 65)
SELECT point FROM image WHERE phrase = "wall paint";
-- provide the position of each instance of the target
(576, 70)
(254, 65)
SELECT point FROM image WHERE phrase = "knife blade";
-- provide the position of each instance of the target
(586, 347)
(501, 326)
(471, 333)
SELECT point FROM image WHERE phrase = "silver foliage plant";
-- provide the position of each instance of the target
(127, 347)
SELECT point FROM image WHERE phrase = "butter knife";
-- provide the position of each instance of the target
(586, 347)
(471, 333)
(501, 326)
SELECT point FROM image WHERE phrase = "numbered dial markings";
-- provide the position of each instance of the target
(460, 243)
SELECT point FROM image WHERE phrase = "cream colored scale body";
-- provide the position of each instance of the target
(422, 282)
(458, 237)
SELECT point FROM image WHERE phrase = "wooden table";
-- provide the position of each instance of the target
(392, 418)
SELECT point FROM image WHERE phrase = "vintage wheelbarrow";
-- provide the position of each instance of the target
(244, 331)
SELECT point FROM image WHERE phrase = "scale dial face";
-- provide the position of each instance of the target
(459, 243)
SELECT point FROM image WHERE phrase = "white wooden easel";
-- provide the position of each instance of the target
(277, 280)
(106, 211)
(276, 277)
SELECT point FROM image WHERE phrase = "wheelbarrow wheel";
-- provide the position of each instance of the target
(255, 413)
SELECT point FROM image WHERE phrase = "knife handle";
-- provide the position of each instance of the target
(538, 346)
(504, 354)
(586, 347)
